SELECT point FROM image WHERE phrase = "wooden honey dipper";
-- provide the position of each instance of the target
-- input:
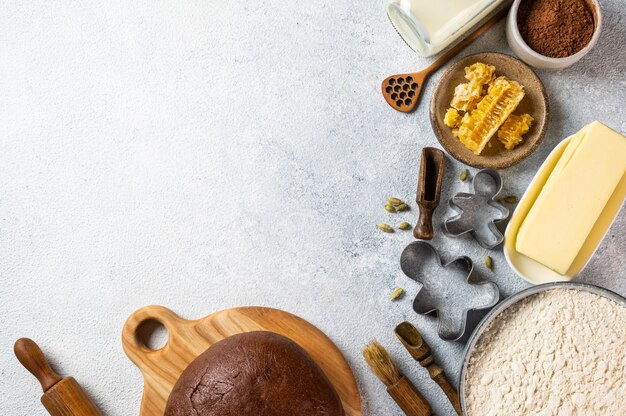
(62, 396)
(412, 340)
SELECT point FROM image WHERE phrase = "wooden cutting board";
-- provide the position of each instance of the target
(188, 339)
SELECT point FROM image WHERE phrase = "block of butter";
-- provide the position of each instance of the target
(573, 197)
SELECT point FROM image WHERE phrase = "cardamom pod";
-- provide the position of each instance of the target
(390, 208)
(489, 263)
(463, 175)
(511, 199)
(403, 207)
(404, 226)
(386, 228)
(394, 201)
(397, 293)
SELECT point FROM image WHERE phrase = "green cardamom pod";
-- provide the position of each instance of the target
(386, 228)
(404, 226)
(403, 207)
(463, 175)
(394, 201)
(390, 208)
(397, 293)
(489, 263)
(511, 199)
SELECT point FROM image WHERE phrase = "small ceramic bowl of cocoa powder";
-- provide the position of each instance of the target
(553, 34)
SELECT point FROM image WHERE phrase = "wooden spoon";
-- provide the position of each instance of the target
(402, 91)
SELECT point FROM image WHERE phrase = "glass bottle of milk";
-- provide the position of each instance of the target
(428, 26)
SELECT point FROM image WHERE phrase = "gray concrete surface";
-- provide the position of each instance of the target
(207, 154)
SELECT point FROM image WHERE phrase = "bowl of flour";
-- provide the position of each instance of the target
(553, 349)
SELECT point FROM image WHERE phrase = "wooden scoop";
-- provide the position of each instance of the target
(428, 190)
(412, 340)
(402, 91)
(62, 396)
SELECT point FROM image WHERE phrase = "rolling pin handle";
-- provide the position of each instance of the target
(32, 358)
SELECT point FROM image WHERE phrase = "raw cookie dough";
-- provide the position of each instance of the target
(253, 374)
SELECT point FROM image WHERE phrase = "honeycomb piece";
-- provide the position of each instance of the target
(480, 73)
(452, 118)
(479, 126)
(511, 132)
(466, 96)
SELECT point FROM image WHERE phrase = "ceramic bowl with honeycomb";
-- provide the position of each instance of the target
(492, 151)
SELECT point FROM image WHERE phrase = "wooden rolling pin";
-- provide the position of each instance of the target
(62, 396)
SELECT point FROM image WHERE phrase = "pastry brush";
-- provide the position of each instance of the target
(401, 390)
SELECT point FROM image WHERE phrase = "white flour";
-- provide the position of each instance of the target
(560, 352)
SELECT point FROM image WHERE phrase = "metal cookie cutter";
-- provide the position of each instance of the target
(445, 289)
(478, 212)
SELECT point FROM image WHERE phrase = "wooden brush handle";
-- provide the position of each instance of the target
(469, 39)
(424, 228)
(412, 340)
(437, 374)
(30, 355)
(409, 399)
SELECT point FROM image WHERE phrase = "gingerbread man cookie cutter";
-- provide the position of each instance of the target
(478, 212)
(446, 288)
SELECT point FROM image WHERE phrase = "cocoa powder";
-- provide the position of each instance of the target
(555, 28)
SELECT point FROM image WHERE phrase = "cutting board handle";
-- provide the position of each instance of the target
(134, 346)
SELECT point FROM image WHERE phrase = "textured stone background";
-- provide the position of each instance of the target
(209, 154)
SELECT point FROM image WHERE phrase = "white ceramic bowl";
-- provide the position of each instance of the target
(533, 271)
(532, 58)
